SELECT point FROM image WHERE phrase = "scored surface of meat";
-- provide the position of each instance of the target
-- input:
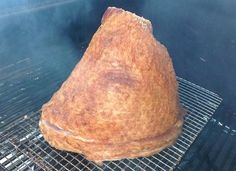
(121, 99)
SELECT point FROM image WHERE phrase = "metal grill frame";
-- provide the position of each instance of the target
(22, 147)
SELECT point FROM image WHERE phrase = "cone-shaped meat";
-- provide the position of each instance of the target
(121, 99)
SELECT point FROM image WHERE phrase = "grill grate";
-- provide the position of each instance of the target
(22, 147)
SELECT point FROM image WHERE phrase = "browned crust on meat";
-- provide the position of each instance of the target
(101, 151)
(121, 99)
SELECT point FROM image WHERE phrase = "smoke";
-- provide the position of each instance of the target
(50, 30)
(53, 35)
(39, 31)
(40, 43)
(200, 37)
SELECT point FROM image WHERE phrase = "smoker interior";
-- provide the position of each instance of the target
(41, 42)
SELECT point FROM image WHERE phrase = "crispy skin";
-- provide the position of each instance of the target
(121, 99)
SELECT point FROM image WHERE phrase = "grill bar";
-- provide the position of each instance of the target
(22, 147)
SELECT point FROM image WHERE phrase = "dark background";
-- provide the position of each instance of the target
(41, 41)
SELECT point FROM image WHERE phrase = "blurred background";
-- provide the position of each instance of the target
(42, 40)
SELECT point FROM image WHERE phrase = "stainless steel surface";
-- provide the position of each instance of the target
(22, 147)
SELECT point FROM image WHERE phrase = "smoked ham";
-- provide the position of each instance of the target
(121, 99)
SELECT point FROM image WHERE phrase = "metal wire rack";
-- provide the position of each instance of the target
(22, 147)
